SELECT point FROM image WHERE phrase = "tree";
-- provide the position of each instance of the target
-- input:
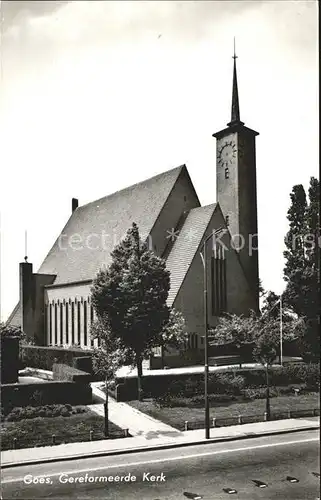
(130, 297)
(107, 359)
(302, 267)
(262, 291)
(265, 353)
(11, 331)
(263, 333)
(174, 335)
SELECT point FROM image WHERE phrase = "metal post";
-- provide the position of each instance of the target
(106, 423)
(281, 332)
(204, 260)
(207, 409)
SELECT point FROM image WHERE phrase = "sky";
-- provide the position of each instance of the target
(99, 95)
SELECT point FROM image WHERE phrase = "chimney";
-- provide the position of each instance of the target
(74, 204)
(27, 298)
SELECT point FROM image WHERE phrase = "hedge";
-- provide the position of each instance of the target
(44, 357)
(227, 382)
(39, 394)
(70, 374)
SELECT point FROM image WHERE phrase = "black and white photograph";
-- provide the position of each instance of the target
(160, 250)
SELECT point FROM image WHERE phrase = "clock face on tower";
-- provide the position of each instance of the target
(227, 153)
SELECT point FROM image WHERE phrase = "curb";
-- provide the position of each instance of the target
(156, 447)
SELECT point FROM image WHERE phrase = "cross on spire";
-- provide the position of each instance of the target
(234, 56)
(235, 109)
(26, 246)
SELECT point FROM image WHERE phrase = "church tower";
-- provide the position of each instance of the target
(236, 188)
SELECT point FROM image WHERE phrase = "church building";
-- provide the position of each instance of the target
(55, 304)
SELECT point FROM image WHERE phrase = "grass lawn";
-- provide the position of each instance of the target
(195, 415)
(38, 431)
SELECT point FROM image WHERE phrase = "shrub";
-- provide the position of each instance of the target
(177, 387)
(221, 398)
(259, 393)
(299, 373)
(213, 398)
(64, 412)
(29, 412)
(43, 411)
(193, 387)
(254, 378)
(226, 383)
(80, 409)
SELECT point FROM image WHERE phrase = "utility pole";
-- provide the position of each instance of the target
(206, 370)
(281, 331)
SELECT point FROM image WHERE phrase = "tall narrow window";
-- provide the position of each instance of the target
(227, 220)
(91, 322)
(55, 336)
(218, 280)
(61, 323)
(72, 323)
(67, 323)
(224, 292)
(85, 322)
(227, 173)
(78, 322)
(50, 324)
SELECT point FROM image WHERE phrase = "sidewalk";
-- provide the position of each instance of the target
(128, 371)
(126, 417)
(137, 444)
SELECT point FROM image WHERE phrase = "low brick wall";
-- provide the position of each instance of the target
(45, 357)
(70, 374)
(9, 359)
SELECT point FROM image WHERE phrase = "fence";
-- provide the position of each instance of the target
(248, 419)
(9, 443)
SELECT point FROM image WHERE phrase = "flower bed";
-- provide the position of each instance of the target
(46, 431)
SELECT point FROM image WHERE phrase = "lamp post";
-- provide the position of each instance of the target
(204, 260)
(281, 331)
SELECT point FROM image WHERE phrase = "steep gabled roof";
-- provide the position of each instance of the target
(15, 317)
(190, 236)
(103, 223)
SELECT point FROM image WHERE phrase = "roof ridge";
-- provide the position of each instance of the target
(179, 169)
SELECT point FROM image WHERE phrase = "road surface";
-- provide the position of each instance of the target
(202, 471)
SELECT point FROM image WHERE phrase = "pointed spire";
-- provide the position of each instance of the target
(26, 246)
(235, 110)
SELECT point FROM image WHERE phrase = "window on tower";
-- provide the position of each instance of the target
(227, 220)
(218, 280)
(227, 173)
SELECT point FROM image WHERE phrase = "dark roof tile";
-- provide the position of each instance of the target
(103, 223)
(190, 236)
